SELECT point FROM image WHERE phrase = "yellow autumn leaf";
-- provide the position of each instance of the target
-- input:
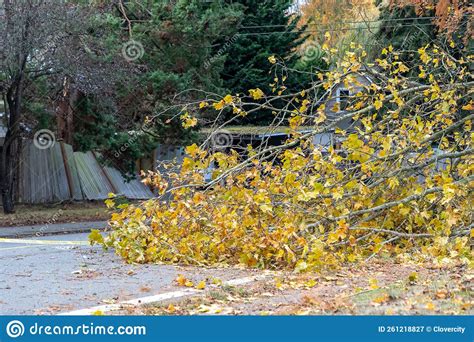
(188, 121)
(469, 106)
(338, 193)
(272, 59)
(109, 203)
(381, 299)
(403, 67)
(256, 94)
(351, 258)
(218, 105)
(228, 99)
(201, 285)
(181, 280)
(413, 277)
(193, 150)
(95, 237)
(373, 284)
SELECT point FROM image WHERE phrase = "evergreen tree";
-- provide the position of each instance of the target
(169, 45)
(267, 28)
(408, 28)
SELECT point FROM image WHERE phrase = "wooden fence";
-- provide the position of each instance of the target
(59, 174)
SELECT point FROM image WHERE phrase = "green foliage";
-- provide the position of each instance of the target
(96, 129)
(39, 112)
(173, 43)
(94, 126)
(177, 40)
(403, 33)
(407, 31)
(265, 30)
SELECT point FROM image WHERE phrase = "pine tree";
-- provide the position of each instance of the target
(402, 28)
(168, 44)
(267, 28)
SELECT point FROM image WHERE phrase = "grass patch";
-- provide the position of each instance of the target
(51, 214)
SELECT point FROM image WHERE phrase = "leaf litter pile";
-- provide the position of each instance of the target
(378, 288)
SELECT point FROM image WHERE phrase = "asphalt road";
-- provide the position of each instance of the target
(60, 273)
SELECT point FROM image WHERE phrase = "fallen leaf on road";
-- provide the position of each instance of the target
(373, 283)
(413, 277)
(430, 306)
(145, 289)
(171, 308)
(442, 294)
(201, 285)
(216, 281)
(181, 280)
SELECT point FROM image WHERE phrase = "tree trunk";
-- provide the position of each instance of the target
(9, 157)
(8, 162)
(65, 112)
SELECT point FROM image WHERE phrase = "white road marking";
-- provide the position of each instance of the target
(17, 247)
(156, 298)
(44, 242)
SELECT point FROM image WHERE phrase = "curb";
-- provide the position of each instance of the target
(51, 229)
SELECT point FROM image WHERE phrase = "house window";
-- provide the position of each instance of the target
(343, 98)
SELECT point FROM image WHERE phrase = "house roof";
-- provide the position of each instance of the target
(370, 74)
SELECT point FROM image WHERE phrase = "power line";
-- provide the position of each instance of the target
(326, 30)
(348, 22)
(304, 31)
